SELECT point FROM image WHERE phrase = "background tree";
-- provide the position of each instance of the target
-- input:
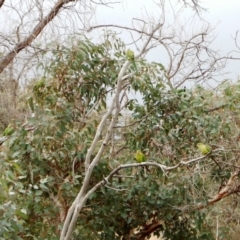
(73, 144)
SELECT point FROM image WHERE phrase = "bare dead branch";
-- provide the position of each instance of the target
(189, 59)
(236, 39)
(33, 35)
(231, 188)
(107, 4)
(195, 5)
(1, 3)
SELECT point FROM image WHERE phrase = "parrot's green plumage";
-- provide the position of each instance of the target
(204, 148)
(130, 55)
(139, 156)
(39, 84)
(9, 130)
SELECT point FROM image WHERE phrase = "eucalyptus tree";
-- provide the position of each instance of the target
(69, 171)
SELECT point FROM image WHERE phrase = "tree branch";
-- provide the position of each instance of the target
(1, 3)
(79, 202)
(33, 35)
(82, 196)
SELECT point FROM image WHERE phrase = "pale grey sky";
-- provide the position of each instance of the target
(226, 16)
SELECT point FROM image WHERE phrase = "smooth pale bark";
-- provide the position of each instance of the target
(83, 195)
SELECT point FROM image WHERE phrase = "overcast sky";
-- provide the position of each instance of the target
(224, 15)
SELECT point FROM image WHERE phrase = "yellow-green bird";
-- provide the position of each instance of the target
(139, 156)
(204, 148)
(130, 55)
(9, 130)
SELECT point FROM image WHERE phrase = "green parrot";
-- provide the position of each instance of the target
(204, 148)
(39, 84)
(9, 130)
(139, 156)
(130, 55)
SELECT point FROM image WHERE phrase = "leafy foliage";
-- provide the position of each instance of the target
(42, 162)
